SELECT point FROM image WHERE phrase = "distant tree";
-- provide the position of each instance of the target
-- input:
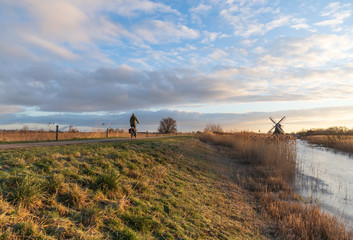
(215, 128)
(72, 129)
(167, 125)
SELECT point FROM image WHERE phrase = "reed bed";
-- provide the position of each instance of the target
(342, 143)
(267, 169)
(275, 155)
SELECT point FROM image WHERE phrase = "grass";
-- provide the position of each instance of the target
(21, 136)
(168, 188)
(265, 166)
(342, 143)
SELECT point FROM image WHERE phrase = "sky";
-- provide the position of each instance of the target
(228, 62)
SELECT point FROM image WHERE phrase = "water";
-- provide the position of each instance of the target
(326, 177)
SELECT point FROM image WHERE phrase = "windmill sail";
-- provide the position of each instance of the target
(277, 126)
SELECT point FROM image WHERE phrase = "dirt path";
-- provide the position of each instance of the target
(44, 144)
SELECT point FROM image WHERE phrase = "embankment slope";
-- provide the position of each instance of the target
(171, 188)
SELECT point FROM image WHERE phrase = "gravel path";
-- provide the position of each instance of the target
(44, 144)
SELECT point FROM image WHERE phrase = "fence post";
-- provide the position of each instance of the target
(57, 132)
(107, 132)
(147, 134)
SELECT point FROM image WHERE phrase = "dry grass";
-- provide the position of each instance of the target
(144, 189)
(23, 136)
(343, 143)
(276, 155)
(265, 166)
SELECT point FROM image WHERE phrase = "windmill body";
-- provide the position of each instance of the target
(277, 126)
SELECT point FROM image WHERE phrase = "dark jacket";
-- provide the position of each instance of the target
(133, 120)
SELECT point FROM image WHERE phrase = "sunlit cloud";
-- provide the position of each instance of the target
(116, 56)
(155, 31)
(337, 13)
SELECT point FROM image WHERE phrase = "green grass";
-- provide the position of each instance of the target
(144, 189)
(62, 140)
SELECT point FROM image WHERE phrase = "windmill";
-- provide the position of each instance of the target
(277, 126)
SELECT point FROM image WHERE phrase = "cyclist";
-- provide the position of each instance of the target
(133, 120)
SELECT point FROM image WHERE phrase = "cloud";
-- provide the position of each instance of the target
(201, 8)
(83, 28)
(54, 25)
(156, 31)
(8, 109)
(301, 23)
(131, 8)
(54, 48)
(210, 36)
(217, 54)
(247, 17)
(276, 23)
(119, 88)
(337, 13)
(318, 50)
(123, 88)
(192, 121)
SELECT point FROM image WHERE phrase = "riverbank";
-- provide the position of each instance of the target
(265, 166)
(326, 175)
(171, 188)
(337, 142)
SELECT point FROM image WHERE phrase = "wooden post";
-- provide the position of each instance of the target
(107, 132)
(146, 133)
(57, 132)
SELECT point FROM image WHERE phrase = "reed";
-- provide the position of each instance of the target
(276, 155)
(342, 143)
(271, 162)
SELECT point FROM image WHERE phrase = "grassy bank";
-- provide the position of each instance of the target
(34, 136)
(265, 166)
(146, 189)
(342, 143)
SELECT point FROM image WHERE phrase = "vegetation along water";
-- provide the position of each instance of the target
(222, 187)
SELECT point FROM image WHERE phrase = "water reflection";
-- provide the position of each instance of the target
(327, 177)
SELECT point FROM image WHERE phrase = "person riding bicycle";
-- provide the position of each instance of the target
(133, 120)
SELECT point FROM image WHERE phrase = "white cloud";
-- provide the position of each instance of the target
(217, 54)
(249, 42)
(337, 13)
(198, 11)
(201, 8)
(156, 31)
(316, 51)
(210, 36)
(132, 7)
(69, 28)
(58, 20)
(247, 17)
(276, 23)
(301, 23)
(54, 48)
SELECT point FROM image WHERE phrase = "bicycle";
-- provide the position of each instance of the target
(132, 132)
